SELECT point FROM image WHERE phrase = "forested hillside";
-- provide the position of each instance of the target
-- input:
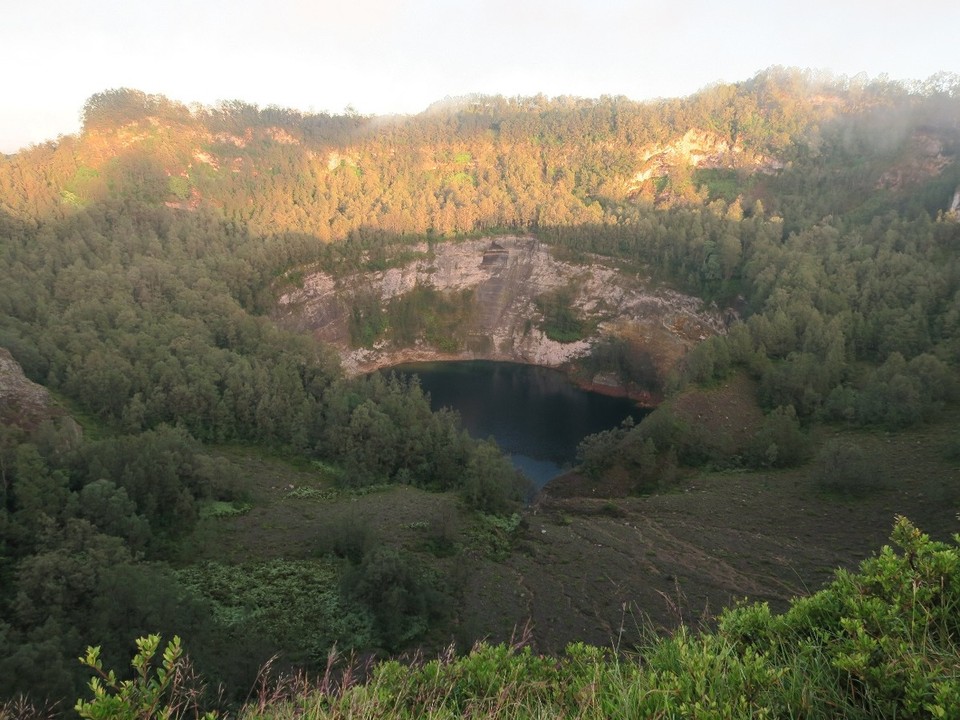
(142, 260)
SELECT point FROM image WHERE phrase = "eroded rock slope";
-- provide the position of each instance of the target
(505, 277)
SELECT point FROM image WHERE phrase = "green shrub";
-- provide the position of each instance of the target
(844, 468)
(442, 535)
(596, 453)
(399, 593)
(779, 441)
(491, 484)
(879, 643)
(350, 537)
(294, 607)
(494, 536)
(561, 321)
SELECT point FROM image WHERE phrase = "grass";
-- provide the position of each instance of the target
(224, 509)
(806, 662)
(878, 643)
(771, 534)
(573, 565)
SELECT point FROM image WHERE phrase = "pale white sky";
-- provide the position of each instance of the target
(383, 56)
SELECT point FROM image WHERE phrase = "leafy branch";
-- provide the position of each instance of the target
(158, 694)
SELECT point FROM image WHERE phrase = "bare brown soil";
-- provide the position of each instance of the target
(728, 413)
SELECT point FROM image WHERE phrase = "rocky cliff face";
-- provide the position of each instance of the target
(22, 402)
(698, 149)
(506, 277)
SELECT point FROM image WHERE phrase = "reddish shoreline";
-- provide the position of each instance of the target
(643, 398)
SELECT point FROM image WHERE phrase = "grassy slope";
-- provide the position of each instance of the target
(602, 570)
(881, 643)
(599, 570)
(617, 573)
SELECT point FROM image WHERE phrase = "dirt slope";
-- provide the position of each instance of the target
(601, 570)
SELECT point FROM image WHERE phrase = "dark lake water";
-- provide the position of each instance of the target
(535, 414)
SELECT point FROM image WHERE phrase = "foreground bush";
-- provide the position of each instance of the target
(881, 643)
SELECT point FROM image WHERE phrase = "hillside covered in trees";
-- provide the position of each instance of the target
(141, 265)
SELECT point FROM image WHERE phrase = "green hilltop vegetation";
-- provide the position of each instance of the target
(211, 475)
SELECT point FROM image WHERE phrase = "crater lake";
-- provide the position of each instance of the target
(535, 414)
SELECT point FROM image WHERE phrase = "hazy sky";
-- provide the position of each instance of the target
(398, 57)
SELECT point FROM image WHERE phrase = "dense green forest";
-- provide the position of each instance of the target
(141, 260)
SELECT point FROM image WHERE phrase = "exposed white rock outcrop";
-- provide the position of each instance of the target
(699, 149)
(506, 278)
